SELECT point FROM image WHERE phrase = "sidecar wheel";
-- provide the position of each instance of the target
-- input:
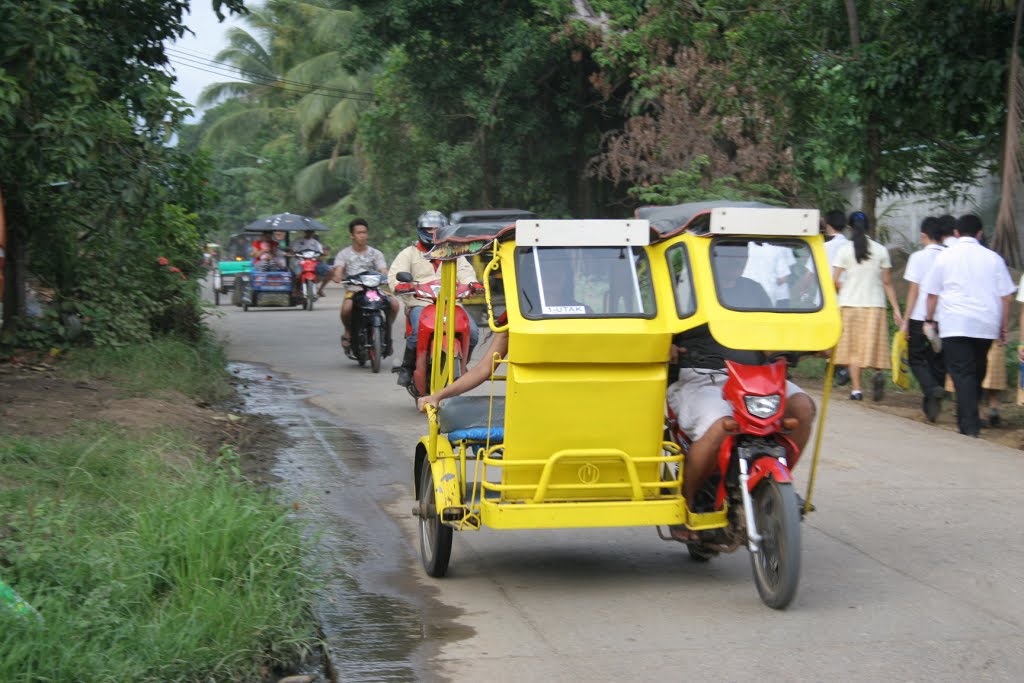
(435, 537)
(777, 563)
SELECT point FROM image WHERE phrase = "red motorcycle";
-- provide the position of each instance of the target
(420, 384)
(308, 281)
(752, 481)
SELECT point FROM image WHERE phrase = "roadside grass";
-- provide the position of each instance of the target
(142, 571)
(196, 370)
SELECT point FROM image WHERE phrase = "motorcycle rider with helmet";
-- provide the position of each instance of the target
(413, 259)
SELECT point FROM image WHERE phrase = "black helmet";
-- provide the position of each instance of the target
(426, 221)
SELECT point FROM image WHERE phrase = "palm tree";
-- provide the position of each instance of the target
(295, 69)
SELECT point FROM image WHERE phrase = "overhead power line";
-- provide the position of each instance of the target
(224, 69)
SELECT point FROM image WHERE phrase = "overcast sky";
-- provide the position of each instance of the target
(208, 40)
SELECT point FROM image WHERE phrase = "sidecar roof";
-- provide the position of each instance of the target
(669, 221)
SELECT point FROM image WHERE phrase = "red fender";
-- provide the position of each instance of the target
(764, 467)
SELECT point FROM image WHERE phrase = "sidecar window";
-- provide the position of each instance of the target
(682, 280)
(584, 282)
(765, 275)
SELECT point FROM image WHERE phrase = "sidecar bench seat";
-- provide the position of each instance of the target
(465, 417)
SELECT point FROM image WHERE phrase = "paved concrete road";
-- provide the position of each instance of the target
(913, 566)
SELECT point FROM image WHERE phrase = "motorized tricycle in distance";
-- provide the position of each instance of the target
(578, 437)
(481, 223)
(273, 286)
(233, 261)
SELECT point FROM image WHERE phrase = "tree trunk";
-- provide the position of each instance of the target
(851, 17)
(872, 183)
(1006, 240)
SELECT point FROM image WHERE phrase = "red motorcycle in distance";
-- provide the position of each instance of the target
(308, 280)
(420, 384)
(752, 481)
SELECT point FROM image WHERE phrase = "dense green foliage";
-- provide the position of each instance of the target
(532, 103)
(386, 108)
(94, 196)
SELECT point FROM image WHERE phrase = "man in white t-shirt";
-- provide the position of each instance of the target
(360, 257)
(969, 292)
(925, 362)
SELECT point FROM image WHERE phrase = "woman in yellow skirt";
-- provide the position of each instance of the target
(862, 295)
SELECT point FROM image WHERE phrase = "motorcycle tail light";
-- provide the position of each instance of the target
(763, 406)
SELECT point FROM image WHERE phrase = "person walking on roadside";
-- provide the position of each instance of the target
(861, 276)
(925, 361)
(969, 292)
(835, 223)
(360, 257)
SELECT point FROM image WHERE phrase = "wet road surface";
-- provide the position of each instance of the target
(372, 615)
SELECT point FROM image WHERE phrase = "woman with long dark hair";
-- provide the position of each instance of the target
(862, 295)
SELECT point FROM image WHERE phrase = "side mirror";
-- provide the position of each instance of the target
(404, 276)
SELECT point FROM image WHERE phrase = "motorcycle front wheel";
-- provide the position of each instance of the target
(376, 349)
(776, 565)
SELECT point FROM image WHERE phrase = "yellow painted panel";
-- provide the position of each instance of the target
(572, 407)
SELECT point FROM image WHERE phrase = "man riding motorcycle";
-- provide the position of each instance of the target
(413, 259)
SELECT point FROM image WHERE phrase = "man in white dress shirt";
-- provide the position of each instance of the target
(969, 292)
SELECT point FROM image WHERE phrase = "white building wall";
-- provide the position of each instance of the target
(902, 216)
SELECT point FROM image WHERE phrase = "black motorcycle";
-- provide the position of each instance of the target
(370, 331)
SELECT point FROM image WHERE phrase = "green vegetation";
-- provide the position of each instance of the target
(167, 364)
(146, 561)
(384, 108)
(142, 572)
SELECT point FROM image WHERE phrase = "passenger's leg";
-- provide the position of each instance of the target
(800, 406)
(701, 459)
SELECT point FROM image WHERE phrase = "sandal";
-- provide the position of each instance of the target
(346, 342)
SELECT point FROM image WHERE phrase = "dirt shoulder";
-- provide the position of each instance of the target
(907, 404)
(36, 399)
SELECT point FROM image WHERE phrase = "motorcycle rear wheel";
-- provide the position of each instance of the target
(435, 537)
(776, 565)
(376, 349)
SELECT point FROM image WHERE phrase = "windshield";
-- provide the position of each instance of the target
(584, 282)
(765, 275)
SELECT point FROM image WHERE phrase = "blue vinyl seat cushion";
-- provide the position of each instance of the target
(465, 417)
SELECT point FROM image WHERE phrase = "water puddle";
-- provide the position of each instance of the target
(377, 625)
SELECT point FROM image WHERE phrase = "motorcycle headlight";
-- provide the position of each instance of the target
(371, 279)
(763, 406)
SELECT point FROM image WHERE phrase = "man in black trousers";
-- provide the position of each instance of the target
(969, 292)
(925, 362)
